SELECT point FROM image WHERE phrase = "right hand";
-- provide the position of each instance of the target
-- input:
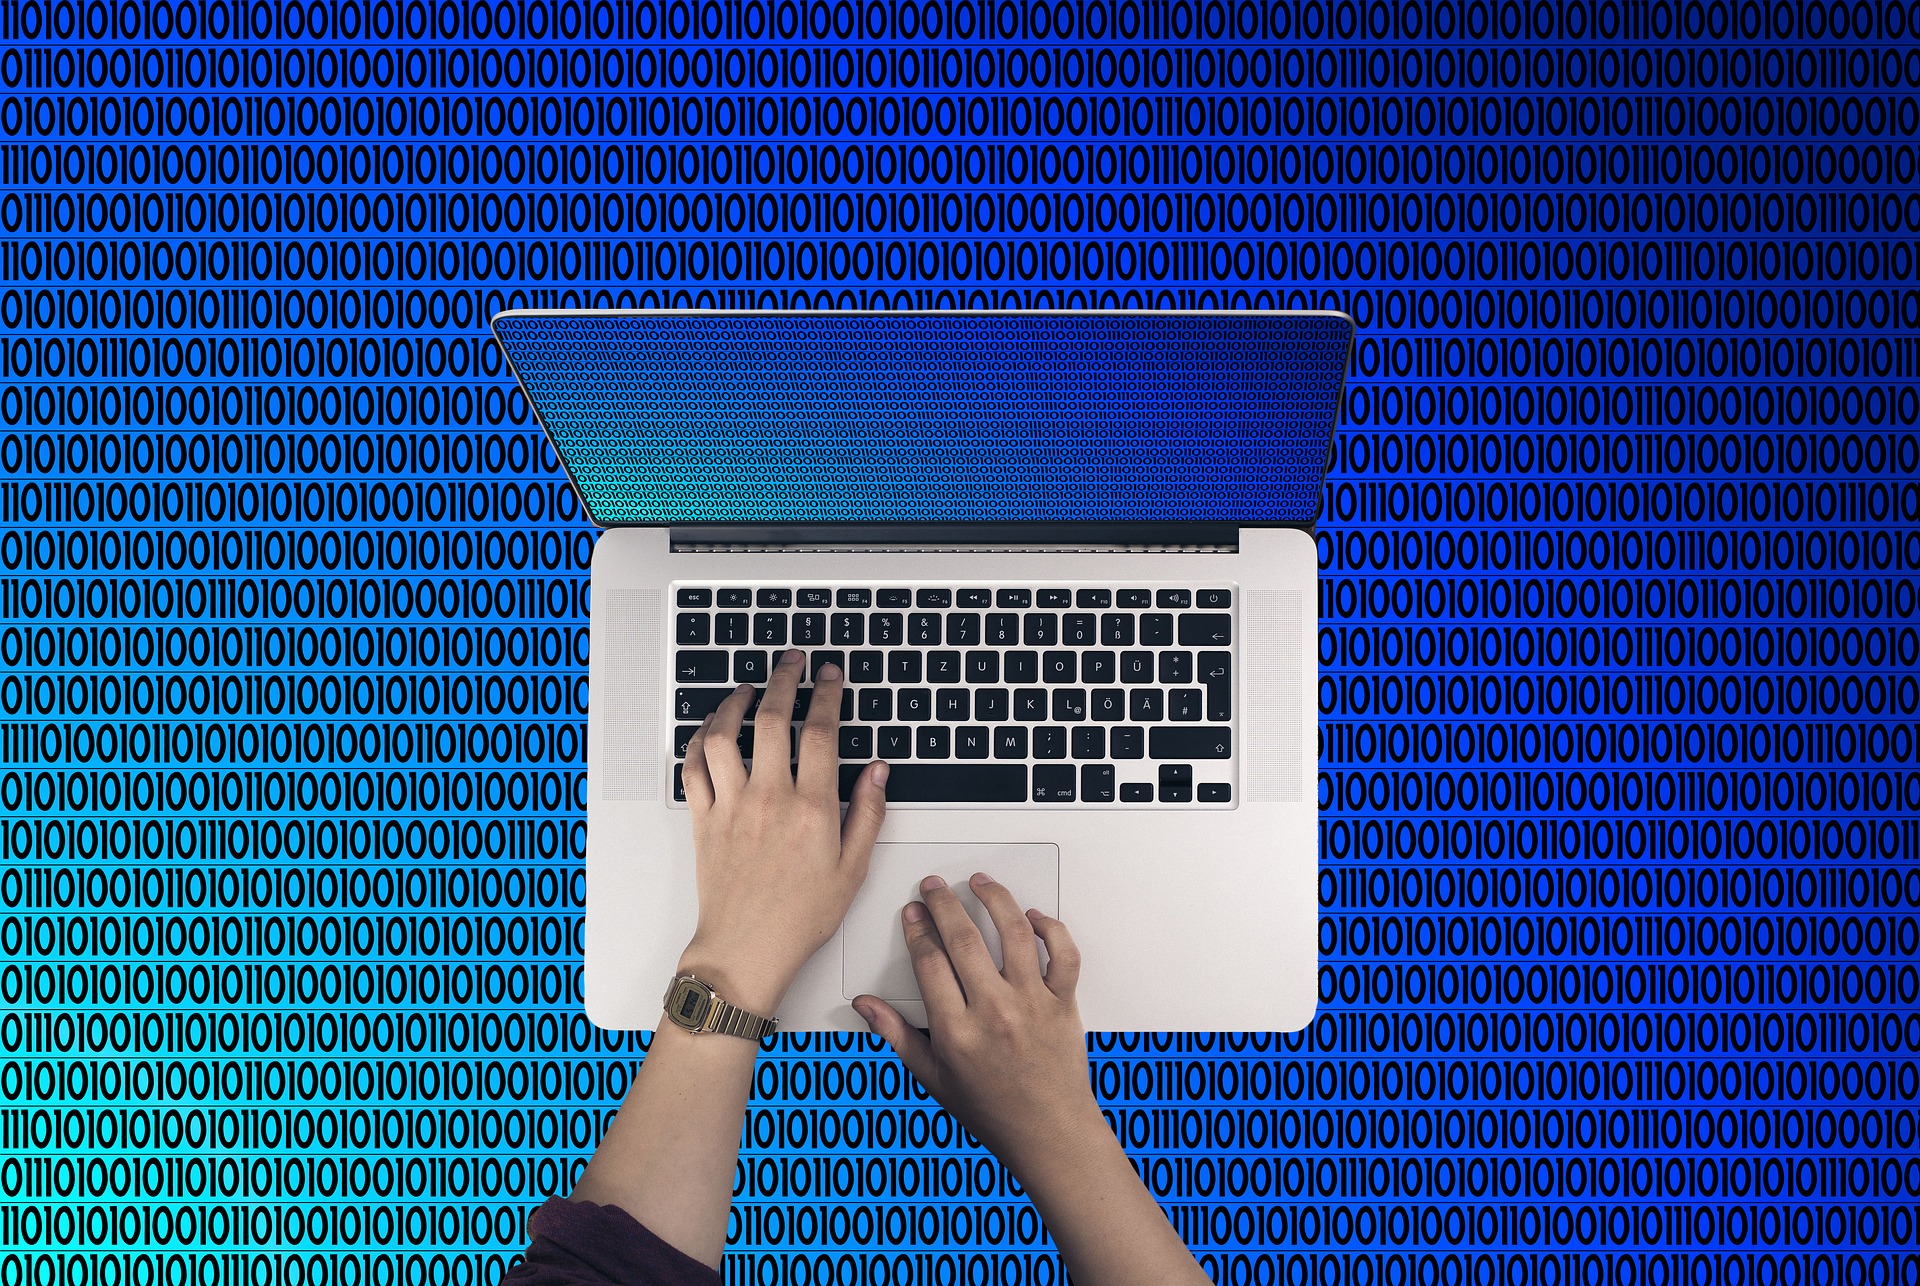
(1007, 1054)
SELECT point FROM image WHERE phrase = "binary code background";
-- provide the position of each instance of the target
(1619, 817)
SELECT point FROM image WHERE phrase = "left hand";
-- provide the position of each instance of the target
(776, 867)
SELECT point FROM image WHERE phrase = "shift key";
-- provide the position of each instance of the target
(1189, 742)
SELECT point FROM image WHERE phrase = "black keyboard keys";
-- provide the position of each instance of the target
(1058, 667)
(903, 667)
(1156, 629)
(1146, 705)
(950, 783)
(692, 629)
(1049, 742)
(886, 629)
(1010, 742)
(1213, 598)
(943, 667)
(1090, 743)
(963, 629)
(1022, 667)
(1069, 704)
(730, 628)
(1109, 705)
(1176, 783)
(915, 705)
(983, 667)
(1096, 783)
(1176, 667)
(1077, 629)
(749, 667)
(1216, 672)
(809, 629)
(990, 705)
(769, 629)
(867, 667)
(893, 742)
(1040, 629)
(1136, 792)
(1126, 743)
(950, 705)
(700, 667)
(933, 743)
(1205, 629)
(972, 742)
(694, 598)
(1136, 667)
(1183, 705)
(847, 629)
(923, 629)
(1190, 743)
(1030, 704)
(1053, 783)
(856, 743)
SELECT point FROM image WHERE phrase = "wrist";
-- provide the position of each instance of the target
(1070, 1144)
(736, 979)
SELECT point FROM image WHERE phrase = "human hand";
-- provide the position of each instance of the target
(776, 866)
(1007, 1053)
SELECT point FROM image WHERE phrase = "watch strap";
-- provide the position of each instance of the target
(731, 1020)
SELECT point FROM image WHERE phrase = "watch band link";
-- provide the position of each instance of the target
(729, 1020)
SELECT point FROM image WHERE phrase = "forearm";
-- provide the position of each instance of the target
(668, 1158)
(1110, 1230)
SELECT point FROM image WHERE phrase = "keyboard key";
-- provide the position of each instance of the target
(1136, 792)
(923, 629)
(1136, 667)
(903, 667)
(1184, 705)
(1173, 598)
(1022, 667)
(1213, 598)
(1135, 598)
(1216, 671)
(1049, 742)
(749, 667)
(1069, 704)
(876, 705)
(700, 667)
(1116, 629)
(1077, 629)
(894, 598)
(943, 667)
(1040, 629)
(950, 705)
(681, 736)
(813, 598)
(1096, 667)
(1176, 667)
(692, 629)
(1190, 743)
(1156, 629)
(867, 667)
(972, 742)
(915, 705)
(1176, 783)
(1215, 792)
(886, 629)
(919, 783)
(730, 628)
(973, 598)
(853, 598)
(809, 629)
(679, 785)
(1030, 704)
(893, 742)
(734, 597)
(933, 598)
(856, 743)
(983, 667)
(1206, 629)
(1010, 742)
(1146, 705)
(770, 629)
(1096, 783)
(963, 629)
(694, 598)
(1003, 629)
(1127, 743)
(932, 743)
(1109, 705)
(848, 629)
(822, 657)
(1090, 743)
(1053, 598)
(774, 598)
(1057, 667)
(695, 704)
(1053, 783)
(1093, 598)
(990, 705)
(1013, 598)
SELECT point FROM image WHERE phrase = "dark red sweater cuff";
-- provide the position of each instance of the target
(582, 1243)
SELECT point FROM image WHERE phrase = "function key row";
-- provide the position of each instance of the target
(817, 597)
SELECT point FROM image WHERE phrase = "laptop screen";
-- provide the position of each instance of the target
(701, 417)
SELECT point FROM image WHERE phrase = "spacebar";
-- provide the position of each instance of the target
(946, 783)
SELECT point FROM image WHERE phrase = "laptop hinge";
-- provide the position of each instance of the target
(956, 537)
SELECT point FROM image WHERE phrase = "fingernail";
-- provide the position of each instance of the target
(915, 912)
(827, 673)
(880, 774)
(793, 654)
(931, 883)
(982, 878)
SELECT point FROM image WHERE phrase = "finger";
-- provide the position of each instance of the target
(818, 776)
(931, 968)
(693, 775)
(865, 812)
(773, 726)
(722, 744)
(972, 964)
(1019, 957)
(1063, 957)
(914, 1049)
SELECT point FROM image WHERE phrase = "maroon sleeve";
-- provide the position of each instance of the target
(581, 1243)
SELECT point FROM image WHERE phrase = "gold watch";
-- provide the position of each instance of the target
(690, 1003)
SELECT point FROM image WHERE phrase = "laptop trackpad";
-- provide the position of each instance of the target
(873, 952)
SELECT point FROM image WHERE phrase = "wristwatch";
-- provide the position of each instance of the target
(690, 1003)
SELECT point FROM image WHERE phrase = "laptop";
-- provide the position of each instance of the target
(1066, 562)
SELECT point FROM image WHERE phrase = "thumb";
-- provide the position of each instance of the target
(865, 811)
(914, 1049)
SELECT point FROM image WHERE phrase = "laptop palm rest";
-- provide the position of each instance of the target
(873, 952)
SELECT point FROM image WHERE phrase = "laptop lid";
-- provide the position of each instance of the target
(796, 419)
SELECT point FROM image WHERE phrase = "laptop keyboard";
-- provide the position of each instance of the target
(1074, 694)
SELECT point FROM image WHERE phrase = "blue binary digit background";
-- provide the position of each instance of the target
(1619, 820)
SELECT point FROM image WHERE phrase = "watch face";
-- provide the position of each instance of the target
(687, 1003)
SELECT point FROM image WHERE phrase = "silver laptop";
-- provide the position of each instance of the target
(1066, 562)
